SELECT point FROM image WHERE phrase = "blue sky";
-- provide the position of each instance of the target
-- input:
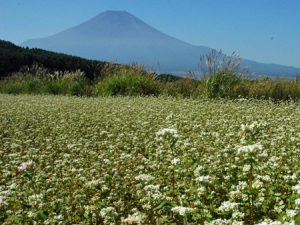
(262, 30)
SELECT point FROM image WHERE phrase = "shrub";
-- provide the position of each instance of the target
(76, 88)
(64, 87)
(221, 84)
(18, 86)
(56, 87)
(128, 84)
(111, 69)
(221, 73)
(285, 90)
(186, 87)
(32, 86)
(268, 89)
(10, 87)
(242, 88)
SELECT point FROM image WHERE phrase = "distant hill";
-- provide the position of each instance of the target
(121, 37)
(13, 57)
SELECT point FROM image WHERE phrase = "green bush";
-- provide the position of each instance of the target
(285, 90)
(66, 87)
(128, 84)
(76, 88)
(29, 86)
(268, 89)
(110, 69)
(221, 84)
(32, 86)
(56, 87)
(38, 80)
(182, 88)
(10, 87)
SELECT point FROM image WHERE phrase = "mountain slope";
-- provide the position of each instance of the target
(123, 38)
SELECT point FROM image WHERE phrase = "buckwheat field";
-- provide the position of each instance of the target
(68, 160)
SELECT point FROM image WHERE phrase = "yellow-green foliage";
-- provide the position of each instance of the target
(128, 85)
(67, 160)
(130, 80)
(186, 87)
(267, 88)
(111, 69)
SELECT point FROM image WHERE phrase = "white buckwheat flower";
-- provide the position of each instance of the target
(182, 210)
(108, 212)
(167, 131)
(198, 170)
(291, 213)
(144, 177)
(134, 219)
(2, 203)
(242, 185)
(175, 161)
(203, 178)
(227, 206)
(257, 184)
(249, 148)
(25, 165)
(152, 187)
(246, 168)
(296, 188)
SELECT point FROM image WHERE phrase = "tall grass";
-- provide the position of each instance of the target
(41, 82)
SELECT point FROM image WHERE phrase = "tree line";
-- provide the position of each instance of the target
(13, 58)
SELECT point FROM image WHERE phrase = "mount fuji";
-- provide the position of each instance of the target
(120, 37)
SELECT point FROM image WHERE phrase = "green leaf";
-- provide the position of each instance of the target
(297, 219)
(42, 215)
(15, 219)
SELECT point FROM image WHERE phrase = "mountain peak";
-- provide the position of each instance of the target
(115, 12)
(113, 24)
(113, 15)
